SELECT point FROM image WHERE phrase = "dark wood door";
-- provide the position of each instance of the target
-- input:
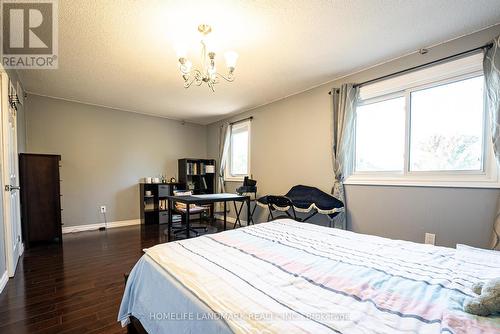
(40, 197)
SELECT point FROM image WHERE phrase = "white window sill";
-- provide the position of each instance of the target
(422, 182)
(233, 179)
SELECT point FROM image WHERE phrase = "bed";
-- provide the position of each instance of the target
(290, 277)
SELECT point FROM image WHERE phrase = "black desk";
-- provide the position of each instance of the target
(203, 200)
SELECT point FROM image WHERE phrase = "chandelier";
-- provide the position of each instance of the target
(207, 73)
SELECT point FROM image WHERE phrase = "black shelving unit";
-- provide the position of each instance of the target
(198, 175)
(153, 202)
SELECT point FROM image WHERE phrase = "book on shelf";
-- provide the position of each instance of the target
(192, 168)
(201, 168)
(149, 206)
(163, 204)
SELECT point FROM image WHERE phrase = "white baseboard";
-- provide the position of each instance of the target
(92, 227)
(230, 219)
(4, 280)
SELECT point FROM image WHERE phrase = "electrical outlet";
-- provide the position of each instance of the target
(430, 238)
(103, 208)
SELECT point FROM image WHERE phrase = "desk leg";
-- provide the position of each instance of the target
(252, 212)
(249, 216)
(169, 226)
(188, 225)
(238, 213)
(225, 215)
(212, 213)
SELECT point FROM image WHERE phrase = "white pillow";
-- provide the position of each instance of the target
(475, 264)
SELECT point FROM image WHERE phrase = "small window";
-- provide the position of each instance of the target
(426, 128)
(239, 152)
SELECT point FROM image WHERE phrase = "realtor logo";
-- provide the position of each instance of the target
(29, 34)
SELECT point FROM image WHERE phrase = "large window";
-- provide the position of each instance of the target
(426, 128)
(239, 152)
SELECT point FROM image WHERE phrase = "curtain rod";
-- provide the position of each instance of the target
(434, 62)
(242, 120)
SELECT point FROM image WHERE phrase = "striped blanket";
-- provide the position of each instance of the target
(290, 277)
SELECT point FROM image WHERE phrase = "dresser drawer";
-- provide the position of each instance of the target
(163, 217)
(163, 190)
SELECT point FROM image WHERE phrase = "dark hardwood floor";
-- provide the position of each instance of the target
(76, 287)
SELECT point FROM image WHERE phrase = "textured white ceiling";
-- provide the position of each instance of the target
(120, 53)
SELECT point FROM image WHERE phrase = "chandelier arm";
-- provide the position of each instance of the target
(211, 86)
(188, 80)
(188, 83)
(195, 78)
(198, 78)
(229, 78)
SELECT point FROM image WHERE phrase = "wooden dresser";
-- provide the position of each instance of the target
(40, 198)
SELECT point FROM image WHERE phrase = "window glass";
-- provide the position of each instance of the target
(239, 150)
(380, 136)
(447, 127)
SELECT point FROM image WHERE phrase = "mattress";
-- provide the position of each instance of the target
(291, 277)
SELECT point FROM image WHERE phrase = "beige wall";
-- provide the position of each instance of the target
(105, 152)
(291, 145)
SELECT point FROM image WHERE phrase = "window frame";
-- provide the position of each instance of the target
(227, 171)
(487, 177)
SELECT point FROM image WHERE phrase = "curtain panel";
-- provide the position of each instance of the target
(491, 67)
(344, 118)
(224, 137)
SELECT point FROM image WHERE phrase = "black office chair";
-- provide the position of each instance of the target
(181, 208)
(282, 204)
(249, 186)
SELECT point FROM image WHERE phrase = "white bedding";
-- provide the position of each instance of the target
(286, 276)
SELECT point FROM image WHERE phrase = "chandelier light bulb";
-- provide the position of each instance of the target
(186, 66)
(231, 59)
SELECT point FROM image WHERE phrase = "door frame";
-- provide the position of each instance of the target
(9, 241)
